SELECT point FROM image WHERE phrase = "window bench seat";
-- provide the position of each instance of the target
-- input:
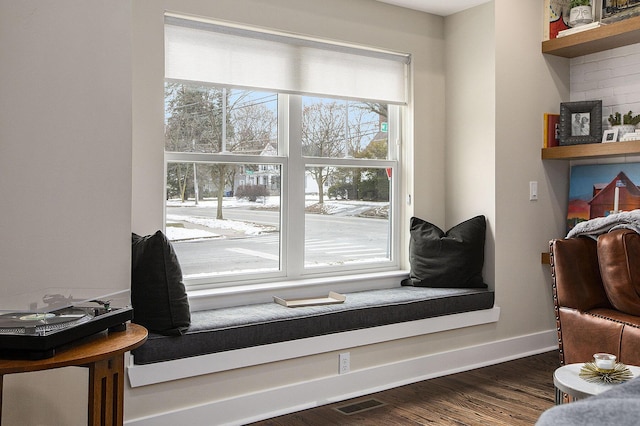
(228, 329)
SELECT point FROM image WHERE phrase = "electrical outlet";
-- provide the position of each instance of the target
(344, 360)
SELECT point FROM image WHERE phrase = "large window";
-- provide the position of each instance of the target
(265, 182)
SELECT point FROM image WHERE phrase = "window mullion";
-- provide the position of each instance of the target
(395, 147)
(295, 183)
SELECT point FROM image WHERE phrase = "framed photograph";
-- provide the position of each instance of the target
(610, 136)
(580, 122)
(617, 10)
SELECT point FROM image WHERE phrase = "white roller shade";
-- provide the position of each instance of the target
(212, 53)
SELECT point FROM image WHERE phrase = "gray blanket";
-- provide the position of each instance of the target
(619, 406)
(600, 225)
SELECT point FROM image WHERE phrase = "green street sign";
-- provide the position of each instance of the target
(384, 127)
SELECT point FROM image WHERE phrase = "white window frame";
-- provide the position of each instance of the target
(292, 271)
(292, 218)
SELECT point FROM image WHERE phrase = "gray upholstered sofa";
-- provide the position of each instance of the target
(619, 406)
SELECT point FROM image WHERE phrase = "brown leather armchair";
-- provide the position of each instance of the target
(596, 290)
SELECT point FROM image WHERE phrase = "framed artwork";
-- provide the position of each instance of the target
(617, 10)
(558, 17)
(597, 190)
(580, 122)
(610, 135)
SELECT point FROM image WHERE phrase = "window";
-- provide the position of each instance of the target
(266, 182)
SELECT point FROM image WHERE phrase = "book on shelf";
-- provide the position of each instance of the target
(551, 131)
(579, 29)
(635, 136)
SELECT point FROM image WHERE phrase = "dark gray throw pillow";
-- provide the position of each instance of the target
(158, 295)
(447, 259)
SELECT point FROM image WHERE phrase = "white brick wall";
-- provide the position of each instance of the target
(613, 76)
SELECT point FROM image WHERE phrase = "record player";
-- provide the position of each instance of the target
(33, 325)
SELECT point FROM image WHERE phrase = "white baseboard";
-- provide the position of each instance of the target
(287, 399)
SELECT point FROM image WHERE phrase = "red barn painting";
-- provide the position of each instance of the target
(604, 200)
(593, 190)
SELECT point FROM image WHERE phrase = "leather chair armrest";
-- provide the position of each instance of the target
(576, 275)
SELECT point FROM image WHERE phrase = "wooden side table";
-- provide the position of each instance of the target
(103, 355)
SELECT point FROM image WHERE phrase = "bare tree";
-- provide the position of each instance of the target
(323, 135)
(254, 126)
(194, 123)
(364, 123)
(205, 119)
(377, 108)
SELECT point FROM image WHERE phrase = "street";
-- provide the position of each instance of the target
(329, 240)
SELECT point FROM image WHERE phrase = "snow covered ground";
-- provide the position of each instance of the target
(205, 227)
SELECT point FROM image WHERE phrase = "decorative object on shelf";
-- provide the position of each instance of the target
(635, 136)
(629, 118)
(605, 370)
(581, 13)
(551, 130)
(610, 135)
(580, 122)
(579, 29)
(615, 119)
(558, 17)
(618, 10)
(624, 129)
(624, 123)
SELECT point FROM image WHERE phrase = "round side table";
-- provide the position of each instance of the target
(566, 379)
(103, 355)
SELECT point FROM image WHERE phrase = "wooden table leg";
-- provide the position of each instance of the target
(1, 377)
(106, 392)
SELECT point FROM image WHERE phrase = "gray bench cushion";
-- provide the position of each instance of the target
(240, 327)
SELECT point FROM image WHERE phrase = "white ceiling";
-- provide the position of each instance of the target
(437, 7)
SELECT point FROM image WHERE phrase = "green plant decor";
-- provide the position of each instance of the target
(576, 3)
(630, 119)
(617, 119)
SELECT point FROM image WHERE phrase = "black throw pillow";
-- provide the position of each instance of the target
(158, 295)
(447, 259)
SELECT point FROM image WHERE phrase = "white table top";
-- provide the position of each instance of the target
(567, 379)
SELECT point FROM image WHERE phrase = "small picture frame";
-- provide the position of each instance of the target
(610, 135)
(580, 122)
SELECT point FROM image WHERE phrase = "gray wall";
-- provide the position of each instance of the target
(65, 169)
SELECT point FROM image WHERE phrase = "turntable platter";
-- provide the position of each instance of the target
(29, 323)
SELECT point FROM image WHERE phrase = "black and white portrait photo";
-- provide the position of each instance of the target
(580, 124)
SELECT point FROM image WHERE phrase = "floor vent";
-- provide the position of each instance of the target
(359, 407)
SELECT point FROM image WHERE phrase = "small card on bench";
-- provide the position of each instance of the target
(333, 298)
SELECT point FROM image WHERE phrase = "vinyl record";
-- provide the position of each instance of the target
(39, 323)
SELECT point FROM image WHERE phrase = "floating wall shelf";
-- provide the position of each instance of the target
(591, 150)
(609, 36)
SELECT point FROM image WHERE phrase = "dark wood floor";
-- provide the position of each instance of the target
(512, 393)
